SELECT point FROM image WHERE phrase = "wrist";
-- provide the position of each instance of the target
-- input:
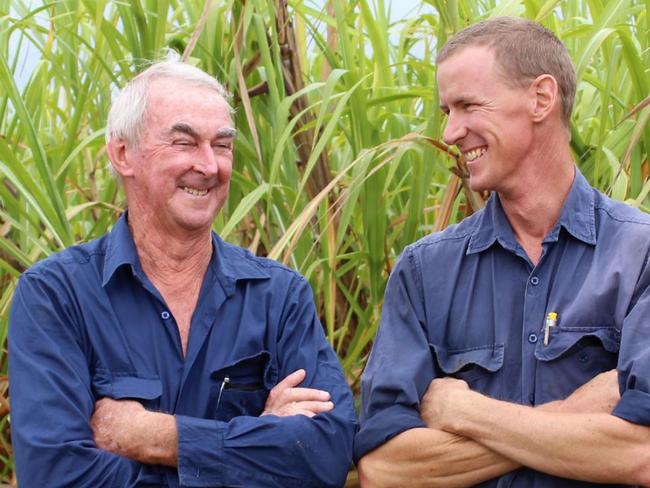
(464, 406)
(159, 439)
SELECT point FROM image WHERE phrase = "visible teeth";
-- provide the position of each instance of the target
(195, 191)
(475, 153)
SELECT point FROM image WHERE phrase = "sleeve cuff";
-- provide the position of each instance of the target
(634, 406)
(383, 426)
(198, 440)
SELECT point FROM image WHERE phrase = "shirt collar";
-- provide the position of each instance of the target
(577, 217)
(228, 264)
(492, 225)
(120, 250)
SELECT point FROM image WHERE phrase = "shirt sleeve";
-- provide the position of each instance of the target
(400, 366)
(51, 397)
(634, 357)
(271, 451)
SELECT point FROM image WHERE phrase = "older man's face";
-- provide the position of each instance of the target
(183, 162)
(488, 120)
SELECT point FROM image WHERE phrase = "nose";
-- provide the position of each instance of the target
(455, 129)
(206, 161)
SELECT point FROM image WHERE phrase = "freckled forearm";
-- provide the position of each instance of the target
(158, 442)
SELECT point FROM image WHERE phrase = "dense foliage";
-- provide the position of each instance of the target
(339, 158)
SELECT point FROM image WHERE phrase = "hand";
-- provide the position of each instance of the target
(285, 399)
(113, 424)
(599, 395)
(437, 407)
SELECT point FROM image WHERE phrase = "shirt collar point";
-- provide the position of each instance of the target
(245, 269)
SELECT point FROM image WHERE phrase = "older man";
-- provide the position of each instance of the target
(160, 355)
(495, 363)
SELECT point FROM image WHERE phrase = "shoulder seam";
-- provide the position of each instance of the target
(618, 219)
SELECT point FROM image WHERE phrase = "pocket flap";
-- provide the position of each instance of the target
(564, 338)
(452, 361)
(127, 385)
(250, 369)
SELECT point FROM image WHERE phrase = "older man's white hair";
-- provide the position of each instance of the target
(128, 111)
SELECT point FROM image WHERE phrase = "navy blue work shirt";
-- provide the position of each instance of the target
(87, 323)
(468, 303)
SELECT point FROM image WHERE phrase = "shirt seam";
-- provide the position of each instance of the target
(621, 220)
(430, 241)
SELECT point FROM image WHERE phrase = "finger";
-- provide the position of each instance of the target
(292, 380)
(306, 413)
(304, 394)
(315, 407)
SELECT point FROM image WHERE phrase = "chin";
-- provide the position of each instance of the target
(193, 224)
(478, 185)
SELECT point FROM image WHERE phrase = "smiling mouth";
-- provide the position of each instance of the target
(474, 154)
(195, 191)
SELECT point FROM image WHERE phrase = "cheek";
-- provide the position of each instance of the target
(225, 169)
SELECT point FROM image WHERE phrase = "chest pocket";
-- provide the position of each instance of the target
(241, 387)
(474, 365)
(591, 349)
(145, 388)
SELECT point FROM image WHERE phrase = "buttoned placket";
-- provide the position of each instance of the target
(534, 312)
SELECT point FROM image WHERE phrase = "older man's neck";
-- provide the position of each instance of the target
(171, 259)
(534, 206)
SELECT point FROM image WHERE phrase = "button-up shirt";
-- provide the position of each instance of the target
(87, 323)
(468, 303)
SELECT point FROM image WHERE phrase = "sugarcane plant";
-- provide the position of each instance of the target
(339, 159)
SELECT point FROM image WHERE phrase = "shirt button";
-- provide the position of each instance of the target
(165, 315)
(534, 281)
(583, 357)
(532, 338)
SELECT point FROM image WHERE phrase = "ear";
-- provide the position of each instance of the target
(545, 95)
(118, 150)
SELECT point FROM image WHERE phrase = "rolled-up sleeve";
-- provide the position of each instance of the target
(400, 366)
(634, 357)
(51, 397)
(274, 451)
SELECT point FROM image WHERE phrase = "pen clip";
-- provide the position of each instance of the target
(225, 381)
(551, 321)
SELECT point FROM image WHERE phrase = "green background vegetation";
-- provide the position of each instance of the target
(339, 158)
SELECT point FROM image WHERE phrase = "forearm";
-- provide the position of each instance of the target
(159, 440)
(125, 428)
(595, 447)
(425, 457)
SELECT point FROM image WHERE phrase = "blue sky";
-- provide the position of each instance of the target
(398, 9)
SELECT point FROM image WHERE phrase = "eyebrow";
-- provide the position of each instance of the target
(182, 127)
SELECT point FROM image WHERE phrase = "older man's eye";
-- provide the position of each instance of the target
(183, 143)
(222, 145)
